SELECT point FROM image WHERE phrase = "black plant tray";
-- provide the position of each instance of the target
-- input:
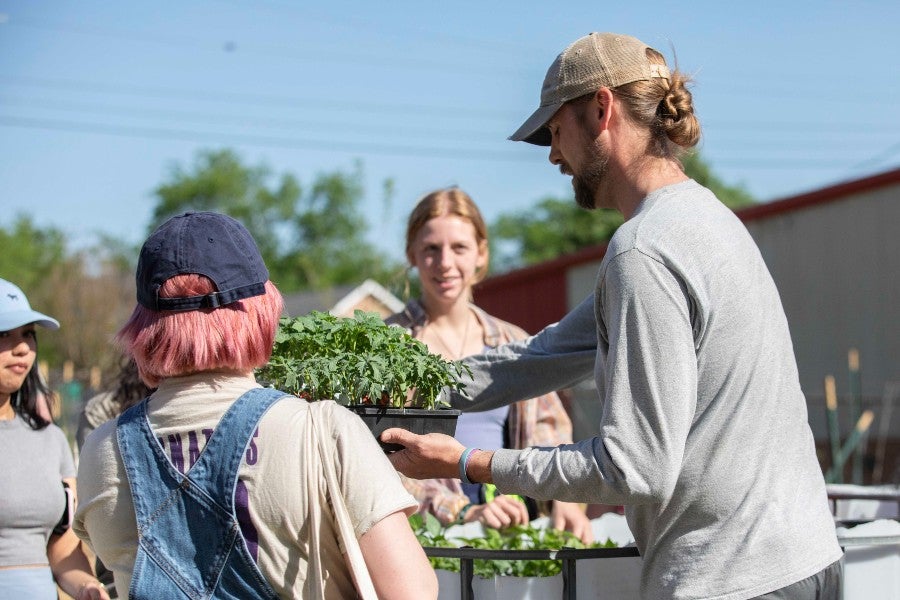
(416, 420)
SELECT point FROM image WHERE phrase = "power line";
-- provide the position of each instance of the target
(378, 127)
(143, 91)
(407, 110)
(360, 147)
(879, 158)
(265, 141)
(393, 61)
(405, 129)
(788, 89)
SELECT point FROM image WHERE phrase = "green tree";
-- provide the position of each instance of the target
(310, 239)
(552, 228)
(558, 226)
(732, 196)
(90, 292)
(30, 254)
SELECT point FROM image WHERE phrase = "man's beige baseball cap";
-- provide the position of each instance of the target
(591, 62)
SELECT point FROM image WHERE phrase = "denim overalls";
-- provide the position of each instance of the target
(189, 541)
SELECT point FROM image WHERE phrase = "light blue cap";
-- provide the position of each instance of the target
(15, 310)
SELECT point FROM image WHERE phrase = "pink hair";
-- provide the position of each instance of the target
(237, 337)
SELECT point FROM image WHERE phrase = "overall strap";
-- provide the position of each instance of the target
(216, 469)
(189, 539)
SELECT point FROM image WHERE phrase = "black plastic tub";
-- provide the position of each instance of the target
(416, 420)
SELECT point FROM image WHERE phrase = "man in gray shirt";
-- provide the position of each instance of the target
(703, 434)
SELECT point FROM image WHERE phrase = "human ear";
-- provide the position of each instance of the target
(483, 255)
(604, 99)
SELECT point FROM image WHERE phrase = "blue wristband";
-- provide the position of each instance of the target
(464, 463)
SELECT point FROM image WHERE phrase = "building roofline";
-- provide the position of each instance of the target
(821, 196)
(584, 255)
(369, 287)
(750, 213)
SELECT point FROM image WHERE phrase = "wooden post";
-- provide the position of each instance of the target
(856, 465)
(95, 378)
(834, 429)
(853, 440)
(44, 371)
(68, 371)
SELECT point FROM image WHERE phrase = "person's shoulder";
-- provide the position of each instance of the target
(99, 449)
(100, 408)
(495, 327)
(412, 315)
(290, 412)
(54, 432)
(103, 434)
(331, 412)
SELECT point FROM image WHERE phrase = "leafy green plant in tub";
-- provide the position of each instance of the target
(358, 361)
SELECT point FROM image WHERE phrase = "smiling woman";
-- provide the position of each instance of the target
(446, 241)
(38, 549)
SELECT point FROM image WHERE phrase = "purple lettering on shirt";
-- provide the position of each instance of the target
(252, 452)
(176, 452)
(242, 510)
(207, 433)
(193, 449)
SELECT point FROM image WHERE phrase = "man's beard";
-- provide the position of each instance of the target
(588, 182)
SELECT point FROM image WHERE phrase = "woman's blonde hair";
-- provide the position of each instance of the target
(452, 202)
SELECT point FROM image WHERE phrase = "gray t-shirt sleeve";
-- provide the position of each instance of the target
(647, 381)
(558, 357)
(64, 452)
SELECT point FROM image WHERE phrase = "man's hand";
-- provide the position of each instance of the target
(429, 456)
(569, 516)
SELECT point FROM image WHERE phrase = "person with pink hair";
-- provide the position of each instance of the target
(216, 487)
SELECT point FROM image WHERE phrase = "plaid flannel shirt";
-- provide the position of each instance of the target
(540, 421)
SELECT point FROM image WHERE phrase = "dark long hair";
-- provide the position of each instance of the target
(130, 389)
(25, 400)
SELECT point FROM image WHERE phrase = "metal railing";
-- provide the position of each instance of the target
(880, 495)
(568, 557)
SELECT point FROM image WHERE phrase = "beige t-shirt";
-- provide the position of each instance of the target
(183, 412)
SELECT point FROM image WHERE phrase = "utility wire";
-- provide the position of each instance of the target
(771, 163)
(263, 121)
(393, 61)
(392, 108)
(805, 130)
(265, 141)
(509, 118)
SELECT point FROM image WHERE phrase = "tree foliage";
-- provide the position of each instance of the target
(310, 238)
(30, 253)
(552, 228)
(558, 226)
(89, 291)
(732, 196)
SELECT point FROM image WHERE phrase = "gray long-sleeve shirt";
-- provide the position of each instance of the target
(703, 433)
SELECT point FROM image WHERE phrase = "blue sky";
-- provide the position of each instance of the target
(99, 99)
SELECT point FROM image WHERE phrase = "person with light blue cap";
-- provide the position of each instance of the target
(38, 549)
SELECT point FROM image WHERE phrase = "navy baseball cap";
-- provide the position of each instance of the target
(204, 243)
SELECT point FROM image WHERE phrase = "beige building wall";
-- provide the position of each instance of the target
(837, 268)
